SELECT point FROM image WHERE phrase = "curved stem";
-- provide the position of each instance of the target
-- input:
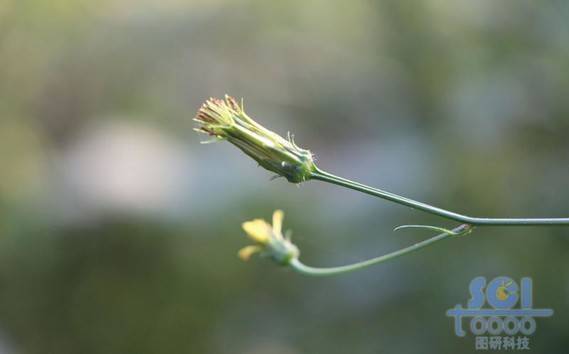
(330, 178)
(300, 267)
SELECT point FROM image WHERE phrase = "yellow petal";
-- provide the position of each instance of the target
(246, 252)
(258, 230)
(278, 217)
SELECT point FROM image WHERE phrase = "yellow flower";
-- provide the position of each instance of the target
(269, 240)
(258, 230)
(227, 120)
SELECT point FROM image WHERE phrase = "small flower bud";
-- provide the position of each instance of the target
(227, 120)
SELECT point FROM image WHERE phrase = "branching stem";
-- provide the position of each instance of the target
(300, 267)
(330, 178)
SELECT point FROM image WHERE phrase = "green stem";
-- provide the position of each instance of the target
(330, 178)
(300, 267)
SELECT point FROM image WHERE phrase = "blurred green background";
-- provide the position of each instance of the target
(119, 231)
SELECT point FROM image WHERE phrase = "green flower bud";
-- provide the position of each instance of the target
(227, 120)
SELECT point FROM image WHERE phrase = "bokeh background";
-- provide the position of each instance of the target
(119, 231)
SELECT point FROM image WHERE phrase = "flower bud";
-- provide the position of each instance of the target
(227, 120)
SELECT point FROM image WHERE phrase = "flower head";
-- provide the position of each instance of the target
(269, 240)
(227, 120)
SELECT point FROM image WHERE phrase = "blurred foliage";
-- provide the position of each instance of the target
(119, 232)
